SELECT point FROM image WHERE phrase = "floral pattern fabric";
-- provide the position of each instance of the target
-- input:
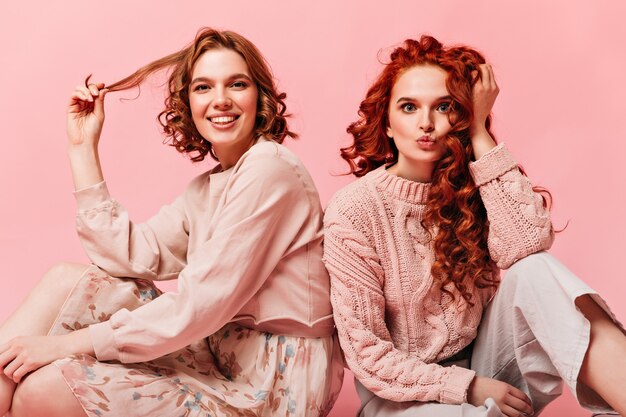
(236, 371)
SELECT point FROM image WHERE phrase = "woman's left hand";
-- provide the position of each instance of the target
(484, 95)
(26, 354)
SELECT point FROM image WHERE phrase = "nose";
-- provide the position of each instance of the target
(426, 122)
(221, 99)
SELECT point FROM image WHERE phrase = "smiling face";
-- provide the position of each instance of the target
(223, 101)
(418, 120)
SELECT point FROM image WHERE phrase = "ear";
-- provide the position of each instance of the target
(389, 132)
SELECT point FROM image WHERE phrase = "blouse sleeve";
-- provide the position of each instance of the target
(359, 310)
(154, 250)
(265, 210)
(519, 224)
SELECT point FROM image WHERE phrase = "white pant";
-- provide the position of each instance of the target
(531, 336)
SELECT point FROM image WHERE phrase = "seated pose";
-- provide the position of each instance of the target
(414, 249)
(249, 331)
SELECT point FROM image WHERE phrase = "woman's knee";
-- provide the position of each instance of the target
(45, 393)
(533, 260)
(532, 273)
(63, 276)
(532, 266)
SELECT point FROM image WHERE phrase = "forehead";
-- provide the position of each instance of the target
(219, 63)
(422, 81)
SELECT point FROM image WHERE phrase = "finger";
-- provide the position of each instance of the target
(77, 106)
(5, 357)
(10, 369)
(21, 373)
(475, 75)
(83, 97)
(98, 108)
(93, 90)
(509, 411)
(492, 85)
(519, 394)
(519, 404)
(103, 92)
(80, 102)
(83, 92)
(486, 74)
(492, 77)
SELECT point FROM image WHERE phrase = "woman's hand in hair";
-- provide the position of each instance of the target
(85, 115)
(484, 93)
(511, 401)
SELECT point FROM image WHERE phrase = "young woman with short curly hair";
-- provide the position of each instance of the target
(249, 332)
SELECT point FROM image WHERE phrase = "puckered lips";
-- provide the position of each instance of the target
(426, 142)
(223, 121)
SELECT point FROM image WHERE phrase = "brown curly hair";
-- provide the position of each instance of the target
(178, 126)
(455, 215)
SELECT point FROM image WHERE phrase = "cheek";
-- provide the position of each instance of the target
(397, 125)
(444, 124)
(195, 105)
(249, 102)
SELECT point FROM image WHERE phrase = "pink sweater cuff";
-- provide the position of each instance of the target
(491, 165)
(455, 387)
(103, 341)
(91, 197)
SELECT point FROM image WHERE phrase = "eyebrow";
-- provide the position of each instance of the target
(232, 77)
(403, 99)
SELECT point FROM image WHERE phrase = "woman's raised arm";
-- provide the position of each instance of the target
(85, 117)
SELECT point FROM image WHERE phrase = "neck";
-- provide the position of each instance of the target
(418, 171)
(229, 155)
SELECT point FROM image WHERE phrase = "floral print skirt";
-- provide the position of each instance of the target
(235, 372)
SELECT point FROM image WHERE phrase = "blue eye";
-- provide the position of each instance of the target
(408, 107)
(444, 107)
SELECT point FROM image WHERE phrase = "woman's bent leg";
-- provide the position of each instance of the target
(604, 366)
(37, 313)
(45, 393)
(533, 336)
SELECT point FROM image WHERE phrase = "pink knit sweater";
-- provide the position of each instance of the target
(394, 323)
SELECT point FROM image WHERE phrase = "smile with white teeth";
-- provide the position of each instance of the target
(223, 119)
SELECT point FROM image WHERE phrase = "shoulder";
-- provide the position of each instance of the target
(267, 154)
(272, 165)
(354, 203)
(198, 184)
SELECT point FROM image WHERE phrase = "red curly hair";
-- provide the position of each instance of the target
(455, 215)
(271, 118)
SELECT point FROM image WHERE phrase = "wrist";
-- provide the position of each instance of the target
(85, 164)
(76, 342)
(482, 142)
(83, 149)
(478, 129)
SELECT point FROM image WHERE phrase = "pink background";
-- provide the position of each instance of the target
(560, 66)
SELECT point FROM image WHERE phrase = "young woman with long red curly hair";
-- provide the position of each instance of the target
(414, 249)
(249, 332)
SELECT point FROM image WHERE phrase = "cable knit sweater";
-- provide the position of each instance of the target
(394, 323)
